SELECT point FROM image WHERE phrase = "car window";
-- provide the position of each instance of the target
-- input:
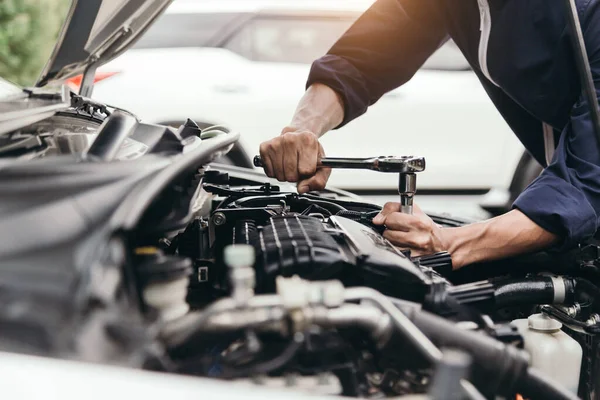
(185, 30)
(302, 40)
(287, 39)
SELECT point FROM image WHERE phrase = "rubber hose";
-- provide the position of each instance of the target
(263, 367)
(505, 363)
(537, 290)
(535, 385)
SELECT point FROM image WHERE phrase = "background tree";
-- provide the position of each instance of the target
(28, 31)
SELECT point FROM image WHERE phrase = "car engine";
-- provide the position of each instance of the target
(169, 262)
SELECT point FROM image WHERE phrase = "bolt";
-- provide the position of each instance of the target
(376, 378)
(573, 310)
(593, 320)
(219, 219)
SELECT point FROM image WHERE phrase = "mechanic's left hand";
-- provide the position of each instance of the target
(416, 232)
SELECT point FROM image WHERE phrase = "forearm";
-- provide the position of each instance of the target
(500, 237)
(319, 110)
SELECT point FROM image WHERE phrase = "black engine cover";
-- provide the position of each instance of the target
(338, 248)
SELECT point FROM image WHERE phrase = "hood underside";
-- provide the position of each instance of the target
(96, 31)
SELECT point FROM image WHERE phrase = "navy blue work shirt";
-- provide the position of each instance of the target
(521, 52)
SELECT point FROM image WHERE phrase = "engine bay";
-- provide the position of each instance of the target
(303, 291)
(167, 261)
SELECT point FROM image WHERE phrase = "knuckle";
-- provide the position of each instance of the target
(288, 139)
(388, 206)
(274, 145)
(308, 138)
(421, 242)
(306, 169)
(320, 183)
(266, 147)
(419, 224)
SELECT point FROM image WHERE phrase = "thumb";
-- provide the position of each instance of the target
(315, 182)
(388, 208)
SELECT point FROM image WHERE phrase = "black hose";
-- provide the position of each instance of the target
(505, 367)
(502, 363)
(264, 367)
(111, 136)
(536, 386)
(538, 290)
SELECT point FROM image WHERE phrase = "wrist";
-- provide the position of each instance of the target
(297, 127)
(460, 243)
(448, 241)
(320, 110)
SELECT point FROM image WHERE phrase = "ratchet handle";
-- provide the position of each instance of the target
(335, 162)
(403, 165)
(323, 162)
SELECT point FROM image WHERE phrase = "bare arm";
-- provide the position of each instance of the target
(504, 236)
(508, 235)
(319, 111)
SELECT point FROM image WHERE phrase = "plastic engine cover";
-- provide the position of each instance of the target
(338, 248)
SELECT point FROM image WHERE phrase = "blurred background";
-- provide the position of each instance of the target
(28, 31)
(244, 63)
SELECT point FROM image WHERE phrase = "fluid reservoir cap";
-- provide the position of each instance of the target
(239, 255)
(543, 323)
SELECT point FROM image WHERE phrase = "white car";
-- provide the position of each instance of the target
(250, 75)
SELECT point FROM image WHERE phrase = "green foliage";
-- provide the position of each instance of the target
(28, 31)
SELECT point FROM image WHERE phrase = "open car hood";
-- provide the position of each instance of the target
(96, 31)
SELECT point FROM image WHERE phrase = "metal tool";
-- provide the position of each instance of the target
(405, 166)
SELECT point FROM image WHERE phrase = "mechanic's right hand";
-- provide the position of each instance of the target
(293, 157)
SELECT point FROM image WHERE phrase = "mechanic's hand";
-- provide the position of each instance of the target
(416, 232)
(293, 157)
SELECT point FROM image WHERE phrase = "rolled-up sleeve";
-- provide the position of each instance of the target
(565, 198)
(381, 51)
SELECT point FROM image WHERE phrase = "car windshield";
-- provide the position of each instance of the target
(186, 30)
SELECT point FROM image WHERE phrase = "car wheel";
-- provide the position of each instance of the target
(527, 170)
(236, 156)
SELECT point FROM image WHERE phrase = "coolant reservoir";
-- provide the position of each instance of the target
(552, 351)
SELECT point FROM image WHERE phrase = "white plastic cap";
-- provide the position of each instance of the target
(543, 323)
(239, 255)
